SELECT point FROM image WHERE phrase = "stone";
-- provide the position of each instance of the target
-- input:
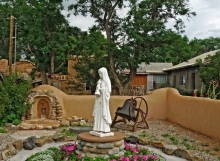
(40, 142)
(119, 143)
(113, 151)
(70, 119)
(49, 139)
(8, 124)
(44, 91)
(64, 123)
(105, 146)
(74, 123)
(48, 127)
(10, 146)
(79, 152)
(39, 127)
(59, 138)
(169, 149)
(82, 122)
(98, 151)
(182, 153)
(132, 139)
(18, 144)
(92, 155)
(39, 92)
(29, 143)
(91, 145)
(85, 149)
(121, 153)
(196, 158)
(25, 126)
(55, 126)
(144, 141)
(122, 147)
(158, 144)
(78, 130)
(70, 138)
(79, 146)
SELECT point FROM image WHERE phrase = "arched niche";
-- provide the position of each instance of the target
(41, 107)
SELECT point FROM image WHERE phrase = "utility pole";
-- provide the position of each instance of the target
(11, 44)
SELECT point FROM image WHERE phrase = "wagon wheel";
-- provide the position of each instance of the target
(142, 114)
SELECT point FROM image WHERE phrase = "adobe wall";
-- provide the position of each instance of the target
(3, 65)
(195, 113)
(82, 105)
(198, 114)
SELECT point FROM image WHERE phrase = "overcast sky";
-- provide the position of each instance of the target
(204, 25)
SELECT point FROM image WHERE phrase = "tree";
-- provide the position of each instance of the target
(43, 32)
(132, 38)
(200, 46)
(91, 48)
(176, 49)
(209, 69)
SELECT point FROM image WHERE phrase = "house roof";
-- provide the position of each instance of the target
(191, 62)
(151, 68)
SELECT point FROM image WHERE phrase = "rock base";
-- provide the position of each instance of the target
(95, 146)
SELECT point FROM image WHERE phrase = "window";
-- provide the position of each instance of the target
(183, 79)
(161, 78)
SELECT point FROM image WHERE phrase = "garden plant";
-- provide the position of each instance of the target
(13, 91)
(68, 152)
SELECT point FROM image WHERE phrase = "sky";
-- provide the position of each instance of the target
(204, 25)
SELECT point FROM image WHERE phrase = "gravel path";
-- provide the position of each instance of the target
(159, 130)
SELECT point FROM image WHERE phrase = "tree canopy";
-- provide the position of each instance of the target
(209, 69)
(43, 32)
(131, 39)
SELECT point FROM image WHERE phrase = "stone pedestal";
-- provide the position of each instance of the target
(101, 134)
(94, 146)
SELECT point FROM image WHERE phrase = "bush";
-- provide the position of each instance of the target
(13, 91)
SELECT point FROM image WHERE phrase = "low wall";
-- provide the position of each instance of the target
(199, 114)
(196, 113)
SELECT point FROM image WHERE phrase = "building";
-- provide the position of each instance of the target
(150, 75)
(186, 74)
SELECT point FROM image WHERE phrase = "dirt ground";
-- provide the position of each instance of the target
(162, 130)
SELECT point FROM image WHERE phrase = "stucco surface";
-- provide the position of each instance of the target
(198, 114)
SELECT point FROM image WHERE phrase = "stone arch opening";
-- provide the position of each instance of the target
(43, 108)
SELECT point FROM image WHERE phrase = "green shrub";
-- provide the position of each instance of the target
(2, 130)
(13, 91)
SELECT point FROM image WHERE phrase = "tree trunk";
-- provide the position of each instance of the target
(52, 63)
(122, 87)
(44, 77)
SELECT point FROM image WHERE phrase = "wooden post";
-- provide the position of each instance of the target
(10, 45)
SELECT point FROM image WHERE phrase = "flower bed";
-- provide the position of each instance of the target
(68, 152)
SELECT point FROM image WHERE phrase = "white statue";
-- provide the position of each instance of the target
(101, 113)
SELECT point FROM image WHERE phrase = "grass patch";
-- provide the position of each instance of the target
(3, 130)
(216, 149)
(66, 132)
(174, 140)
(143, 134)
(165, 135)
(187, 145)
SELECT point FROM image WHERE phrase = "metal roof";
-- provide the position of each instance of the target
(151, 68)
(191, 62)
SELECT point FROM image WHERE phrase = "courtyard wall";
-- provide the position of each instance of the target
(198, 114)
